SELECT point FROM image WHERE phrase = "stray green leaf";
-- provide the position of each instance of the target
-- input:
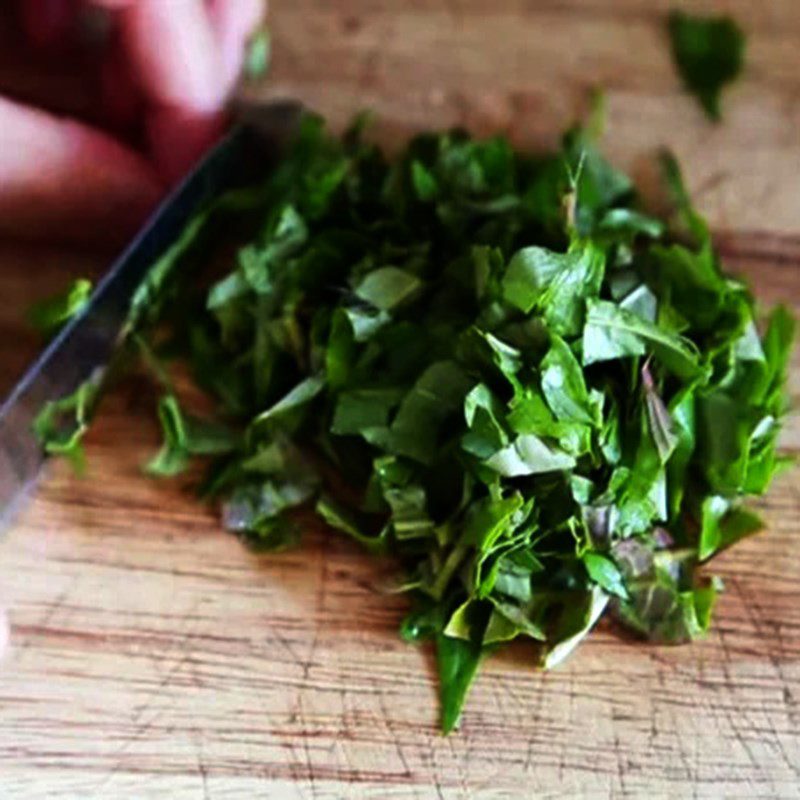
(709, 54)
(52, 313)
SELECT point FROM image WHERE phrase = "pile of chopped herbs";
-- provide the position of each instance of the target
(545, 404)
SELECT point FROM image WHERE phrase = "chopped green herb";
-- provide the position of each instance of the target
(709, 53)
(545, 409)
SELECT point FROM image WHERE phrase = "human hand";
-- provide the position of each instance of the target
(165, 69)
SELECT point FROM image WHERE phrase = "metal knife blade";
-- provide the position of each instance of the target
(84, 346)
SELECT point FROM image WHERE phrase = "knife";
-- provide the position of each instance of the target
(83, 348)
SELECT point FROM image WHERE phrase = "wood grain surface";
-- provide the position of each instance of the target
(154, 657)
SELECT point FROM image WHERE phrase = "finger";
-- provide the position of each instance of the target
(61, 179)
(47, 22)
(122, 100)
(173, 53)
(234, 22)
(186, 84)
(178, 138)
(112, 5)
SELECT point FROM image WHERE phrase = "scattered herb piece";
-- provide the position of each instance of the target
(708, 53)
(48, 316)
(258, 53)
(61, 425)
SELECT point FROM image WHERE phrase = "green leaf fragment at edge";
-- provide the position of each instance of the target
(577, 625)
(458, 662)
(723, 524)
(605, 573)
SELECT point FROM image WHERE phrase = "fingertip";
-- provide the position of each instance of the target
(234, 24)
(174, 54)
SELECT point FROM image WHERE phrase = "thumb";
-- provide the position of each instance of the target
(65, 180)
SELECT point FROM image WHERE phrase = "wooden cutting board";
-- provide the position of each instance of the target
(152, 656)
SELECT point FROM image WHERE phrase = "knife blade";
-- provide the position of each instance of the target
(83, 348)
